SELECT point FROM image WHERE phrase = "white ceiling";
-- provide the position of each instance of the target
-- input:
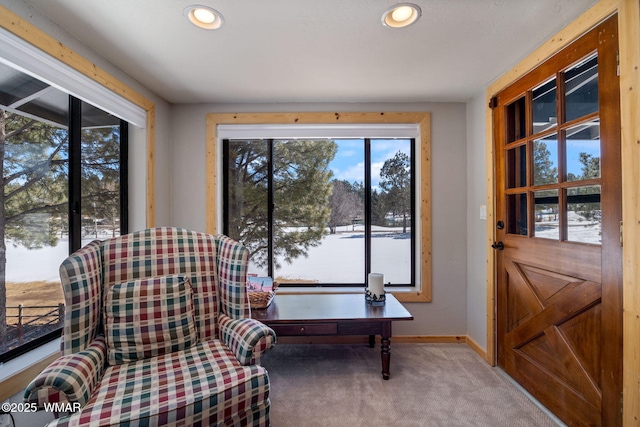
(313, 50)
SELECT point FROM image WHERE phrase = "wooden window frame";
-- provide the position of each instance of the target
(422, 119)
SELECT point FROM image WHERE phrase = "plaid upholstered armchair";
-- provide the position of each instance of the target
(157, 331)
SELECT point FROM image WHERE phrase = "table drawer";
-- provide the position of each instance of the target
(360, 328)
(306, 329)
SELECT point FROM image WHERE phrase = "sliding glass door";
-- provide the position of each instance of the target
(62, 165)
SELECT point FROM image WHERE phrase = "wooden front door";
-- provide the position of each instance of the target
(559, 269)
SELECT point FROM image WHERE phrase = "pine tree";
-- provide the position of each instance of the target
(590, 170)
(395, 180)
(33, 176)
(301, 185)
(543, 170)
(34, 182)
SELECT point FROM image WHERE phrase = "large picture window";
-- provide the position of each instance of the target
(63, 180)
(323, 212)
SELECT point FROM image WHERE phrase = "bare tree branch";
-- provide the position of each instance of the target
(40, 168)
(43, 208)
(23, 128)
(27, 185)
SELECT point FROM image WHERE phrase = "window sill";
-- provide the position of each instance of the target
(16, 374)
(401, 294)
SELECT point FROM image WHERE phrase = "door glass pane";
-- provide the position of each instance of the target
(546, 214)
(306, 249)
(35, 183)
(545, 160)
(247, 202)
(391, 209)
(544, 107)
(517, 222)
(100, 182)
(583, 151)
(584, 214)
(581, 89)
(516, 120)
(517, 167)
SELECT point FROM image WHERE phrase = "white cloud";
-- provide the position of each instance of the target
(352, 173)
(347, 153)
(382, 150)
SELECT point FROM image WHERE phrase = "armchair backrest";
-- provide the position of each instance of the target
(216, 265)
(81, 277)
(233, 262)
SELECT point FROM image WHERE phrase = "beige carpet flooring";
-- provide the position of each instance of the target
(430, 385)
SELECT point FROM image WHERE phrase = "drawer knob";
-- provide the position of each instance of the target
(302, 329)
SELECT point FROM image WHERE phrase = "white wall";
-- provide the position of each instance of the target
(447, 314)
(476, 227)
(137, 142)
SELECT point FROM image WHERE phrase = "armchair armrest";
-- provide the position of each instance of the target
(247, 338)
(70, 378)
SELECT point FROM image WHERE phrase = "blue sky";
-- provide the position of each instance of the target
(348, 164)
(574, 148)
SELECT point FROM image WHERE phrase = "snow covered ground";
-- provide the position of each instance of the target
(338, 259)
(27, 265)
(578, 229)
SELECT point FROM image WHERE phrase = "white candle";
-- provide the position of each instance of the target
(376, 285)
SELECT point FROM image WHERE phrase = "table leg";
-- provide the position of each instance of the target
(386, 356)
(385, 352)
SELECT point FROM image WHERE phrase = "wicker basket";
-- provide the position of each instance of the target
(258, 300)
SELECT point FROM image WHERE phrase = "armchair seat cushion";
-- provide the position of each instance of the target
(204, 385)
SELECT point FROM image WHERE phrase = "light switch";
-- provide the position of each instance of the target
(483, 212)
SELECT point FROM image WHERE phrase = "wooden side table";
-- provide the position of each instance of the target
(334, 314)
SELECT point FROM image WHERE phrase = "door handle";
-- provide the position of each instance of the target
(499, 246)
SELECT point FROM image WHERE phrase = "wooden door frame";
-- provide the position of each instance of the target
(628, 35)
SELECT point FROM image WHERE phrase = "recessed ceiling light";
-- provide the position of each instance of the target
(204, 17)
(401, 15)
